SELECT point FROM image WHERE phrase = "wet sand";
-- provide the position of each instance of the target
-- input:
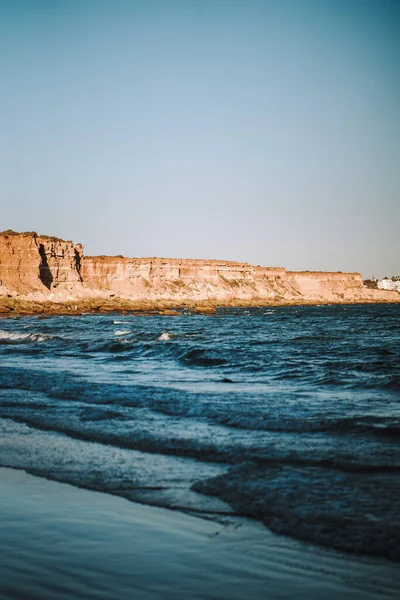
(60, 542)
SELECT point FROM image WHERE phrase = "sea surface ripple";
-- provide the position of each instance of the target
(290, 415)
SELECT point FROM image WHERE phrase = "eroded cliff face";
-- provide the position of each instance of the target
(326, 286)
(156, 278)
(30, 263)
(34, 266)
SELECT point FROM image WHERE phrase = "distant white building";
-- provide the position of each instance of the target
(389, 284)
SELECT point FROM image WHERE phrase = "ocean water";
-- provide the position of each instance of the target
(289, 415)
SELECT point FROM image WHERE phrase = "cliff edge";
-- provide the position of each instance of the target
(40, 269)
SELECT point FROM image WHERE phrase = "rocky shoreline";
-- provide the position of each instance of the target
(46, 275)
(18, 307)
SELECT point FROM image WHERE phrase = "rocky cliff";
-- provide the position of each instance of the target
(31, 263)
(36, 267)
(212, 280)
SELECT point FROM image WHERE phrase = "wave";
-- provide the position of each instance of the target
(90, 426)
(338, 510)
(116, 345)
(361, 425)
(141, 441)
(165, 336)
(146, 346)
(228, 408)
(198, 357)
(10, 337)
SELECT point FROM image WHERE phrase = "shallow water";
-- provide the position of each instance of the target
(61, 542)
(290, 415)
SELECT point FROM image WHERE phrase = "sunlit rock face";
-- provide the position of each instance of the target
(215, 280)
(178, 278)
(33, 265)
(325, 285)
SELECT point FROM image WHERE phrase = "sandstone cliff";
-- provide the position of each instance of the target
(32, 263)
(230, 282)
(40, 268)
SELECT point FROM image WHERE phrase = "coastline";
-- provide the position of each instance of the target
(64, 541)
(75, 306)
(43, 274)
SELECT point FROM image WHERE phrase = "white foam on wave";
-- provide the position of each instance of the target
(121, 332)
(269, 312)
(118, 322)
(164, 336)
(18, 336)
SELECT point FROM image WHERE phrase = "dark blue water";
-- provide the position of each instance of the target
(289, 415)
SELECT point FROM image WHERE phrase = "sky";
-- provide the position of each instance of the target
(262, 131)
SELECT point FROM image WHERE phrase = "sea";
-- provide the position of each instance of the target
(287, 415)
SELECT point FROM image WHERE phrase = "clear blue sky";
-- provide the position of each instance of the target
(265, 131)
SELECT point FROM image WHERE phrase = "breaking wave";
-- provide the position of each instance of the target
(165, 336)
(7, 337)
